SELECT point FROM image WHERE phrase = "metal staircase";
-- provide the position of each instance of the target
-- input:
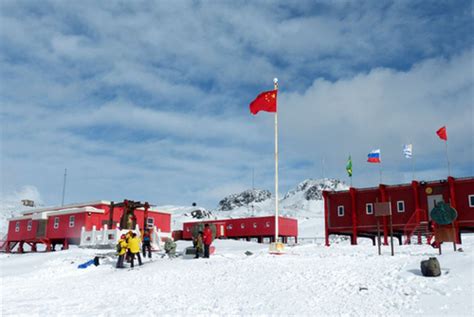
(417, 226)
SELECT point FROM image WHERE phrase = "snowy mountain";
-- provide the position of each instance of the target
(244, 199)
(303, 202)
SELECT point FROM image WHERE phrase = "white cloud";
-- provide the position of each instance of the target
(150, 101)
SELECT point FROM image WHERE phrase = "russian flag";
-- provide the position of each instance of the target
(374, 156)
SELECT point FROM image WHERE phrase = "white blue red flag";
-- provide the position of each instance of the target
(408, 150)
(374, 156)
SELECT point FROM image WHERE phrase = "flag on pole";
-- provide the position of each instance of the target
(374, 156)
(349, 166)
(266, 101)
(408, 150)
(443, 135)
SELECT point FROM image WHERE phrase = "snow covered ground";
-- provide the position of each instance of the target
(310, 279)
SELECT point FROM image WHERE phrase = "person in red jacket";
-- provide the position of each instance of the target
(207, 239)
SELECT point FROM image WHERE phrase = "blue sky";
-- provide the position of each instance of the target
(149, 100)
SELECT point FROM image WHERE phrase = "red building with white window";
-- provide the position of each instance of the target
(63, 225)
(351, 212)
(258, 228)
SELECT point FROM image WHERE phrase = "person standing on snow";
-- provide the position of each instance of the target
(128, 237)
(146, 244)
(207, 239)
(198, 245)
(123, 249)
(134, 247)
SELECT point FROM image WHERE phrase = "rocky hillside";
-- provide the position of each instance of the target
(244, 199)
(312, 189)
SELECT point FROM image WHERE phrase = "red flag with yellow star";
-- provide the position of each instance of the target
(266, 101)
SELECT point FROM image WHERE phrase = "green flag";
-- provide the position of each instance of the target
(349, 166)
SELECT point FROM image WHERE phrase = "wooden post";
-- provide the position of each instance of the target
(111, 214)
(353, 194)
(378, 236)
(454, 236)
(391, 235)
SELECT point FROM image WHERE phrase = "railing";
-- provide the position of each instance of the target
(108, 238)
(3, 243)
(413, 224)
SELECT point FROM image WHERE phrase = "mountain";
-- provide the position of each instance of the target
(304, 202)
(244, 199)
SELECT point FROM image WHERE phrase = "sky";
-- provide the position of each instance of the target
(149, 100)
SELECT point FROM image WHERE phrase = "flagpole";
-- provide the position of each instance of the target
(275, 85)
(447, 158)
(380, 172)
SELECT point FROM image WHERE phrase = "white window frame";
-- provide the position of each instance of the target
(398, 205)
(242, 225)
(267, 224)
(339, 209)
(30, 225)
(17, 226)
(255, 225)
(187, 229)
(371, 205)
(229, 227)
(150, 222)
(72, 221)
(470, 200)
(56, 223)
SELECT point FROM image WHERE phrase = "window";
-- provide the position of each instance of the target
(187, 229)
(150, 222)
(56, 222)
(30, 224)
(255, 225)
(400, 206)
(242, 225)
(369, 208)
(340, 211)
(72, 220)
(267, 224)
(229, 227)
(17, 226)
(471, 200)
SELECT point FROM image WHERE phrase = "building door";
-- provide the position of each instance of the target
(432, 201)
(41, 230)
(222, 230)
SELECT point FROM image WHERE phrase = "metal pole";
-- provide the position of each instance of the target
(380, 172)
(64, 186)
(447, 158)
(275, 82)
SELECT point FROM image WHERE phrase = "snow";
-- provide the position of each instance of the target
(310, 279)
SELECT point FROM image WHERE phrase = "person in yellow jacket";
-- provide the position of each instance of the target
(128, 236)
(123, 249)
(134, 247)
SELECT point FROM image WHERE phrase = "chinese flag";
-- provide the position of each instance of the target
(266, 101)
(442, 133)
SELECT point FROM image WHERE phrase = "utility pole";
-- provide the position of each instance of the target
(64, 186)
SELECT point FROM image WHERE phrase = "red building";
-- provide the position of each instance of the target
(64, 224)
(259, 228)
(351, 212)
